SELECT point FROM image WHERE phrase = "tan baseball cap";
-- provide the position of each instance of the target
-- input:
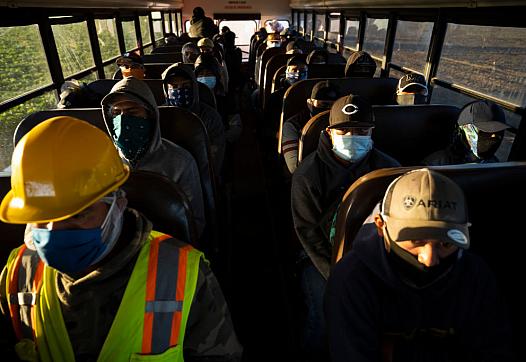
(424, 204)
(205, 42)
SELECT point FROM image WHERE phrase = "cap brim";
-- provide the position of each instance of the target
(402, 230)
(351, 124)
(420, 85)
(491, 126)
(110, 98)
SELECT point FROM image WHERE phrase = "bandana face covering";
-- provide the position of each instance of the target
(132, 135)
(180, 97)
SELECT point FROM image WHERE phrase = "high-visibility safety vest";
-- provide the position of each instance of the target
(150, 322)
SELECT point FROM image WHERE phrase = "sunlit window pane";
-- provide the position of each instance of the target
(145, 30)
(158, 29)
(301, 27)
(109, 70)
(489, 59)
(308, 25)
(319, 29)
(375, 33)
(334, 29)
(12, 117)
(411, 44)
(108, 40)
(351, 34)
(17, 74)
(130, 39)
(73, 47)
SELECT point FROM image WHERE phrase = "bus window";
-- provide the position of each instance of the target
(393, 73)
(73, 47)
(301, 27)
(145, 30)
(308, 25)
(130, 39)
(334, 28)
(187, 26)
(109, 70)
(157, 25)
(22, 60)
(89, 78)
(283, 23)
(350, 39)
(166, 18)
(243, 29)
(11, 118)
(319, 29)
(411, 44)
(180, 23)
(374, 41)
(108, 40)
(489, 59)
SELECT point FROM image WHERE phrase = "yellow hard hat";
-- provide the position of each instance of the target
(59, 168)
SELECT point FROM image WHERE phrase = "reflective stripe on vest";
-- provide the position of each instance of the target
(156, 302)
(24, 280)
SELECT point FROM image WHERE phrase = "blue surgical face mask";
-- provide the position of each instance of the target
(293, 77)
(210, 81)
(73, 251)
(351, 148)
(132, 135)
(69, 251)
(180, 97)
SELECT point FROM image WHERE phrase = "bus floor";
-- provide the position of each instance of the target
(257, 273)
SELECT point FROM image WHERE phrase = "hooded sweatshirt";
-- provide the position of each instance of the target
(318, 185)
(371, 312)
(162, 156)
(208, 115)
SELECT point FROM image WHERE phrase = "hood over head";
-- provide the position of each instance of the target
(136, 90)
(185, 71)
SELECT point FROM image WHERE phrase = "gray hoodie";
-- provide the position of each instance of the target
(163, 156)
(208, 115)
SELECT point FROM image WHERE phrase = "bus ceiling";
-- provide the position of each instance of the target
(390, 4)
(112, 4)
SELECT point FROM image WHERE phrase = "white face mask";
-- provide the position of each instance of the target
(273, 44)
(351, 148)
(472, 137)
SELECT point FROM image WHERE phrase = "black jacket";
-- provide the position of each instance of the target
(370, 312)
(202, 27)
(318, 185)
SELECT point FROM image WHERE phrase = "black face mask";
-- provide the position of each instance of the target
(410, 99)
(414, 273)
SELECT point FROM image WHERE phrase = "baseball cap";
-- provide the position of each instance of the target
(205, 42)
(129, 59)
(486, 116)
(424, 204)
(411, 83)
(351, 111)
(325, 90)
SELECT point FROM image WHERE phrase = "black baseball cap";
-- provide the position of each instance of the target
(412, 83)
(325, 91)
(351, 111)
(486, 116)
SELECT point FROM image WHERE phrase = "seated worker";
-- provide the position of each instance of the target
(78, 95)
(411, 89)
(181, 90)
(171, 39)
(318, 56)
(233, 61)
(360, 65)
(207, 46)
(295, 71)
(131, 65)
(207, 71)
(292, 48)
(102, 281)
(273, 40)
(132, 119)
(409, 290)
(479, 134)
(323, 96)
(190, 52)
(345, 153)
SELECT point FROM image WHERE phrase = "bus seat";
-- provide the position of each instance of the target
(278, 74)
(152, 70)
(336, 58)
(377, 90)
(410, 133)
(265, 57)
(12, 234)
(407, 133)
(162, 58)
(326, 70)
(310, 134)
(492, 191)
(273, 64)
(167, 49)
(163, 203)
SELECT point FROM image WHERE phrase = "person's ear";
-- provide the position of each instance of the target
(329, 133)
(379, 222)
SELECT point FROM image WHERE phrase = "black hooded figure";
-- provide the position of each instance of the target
(202, 26)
